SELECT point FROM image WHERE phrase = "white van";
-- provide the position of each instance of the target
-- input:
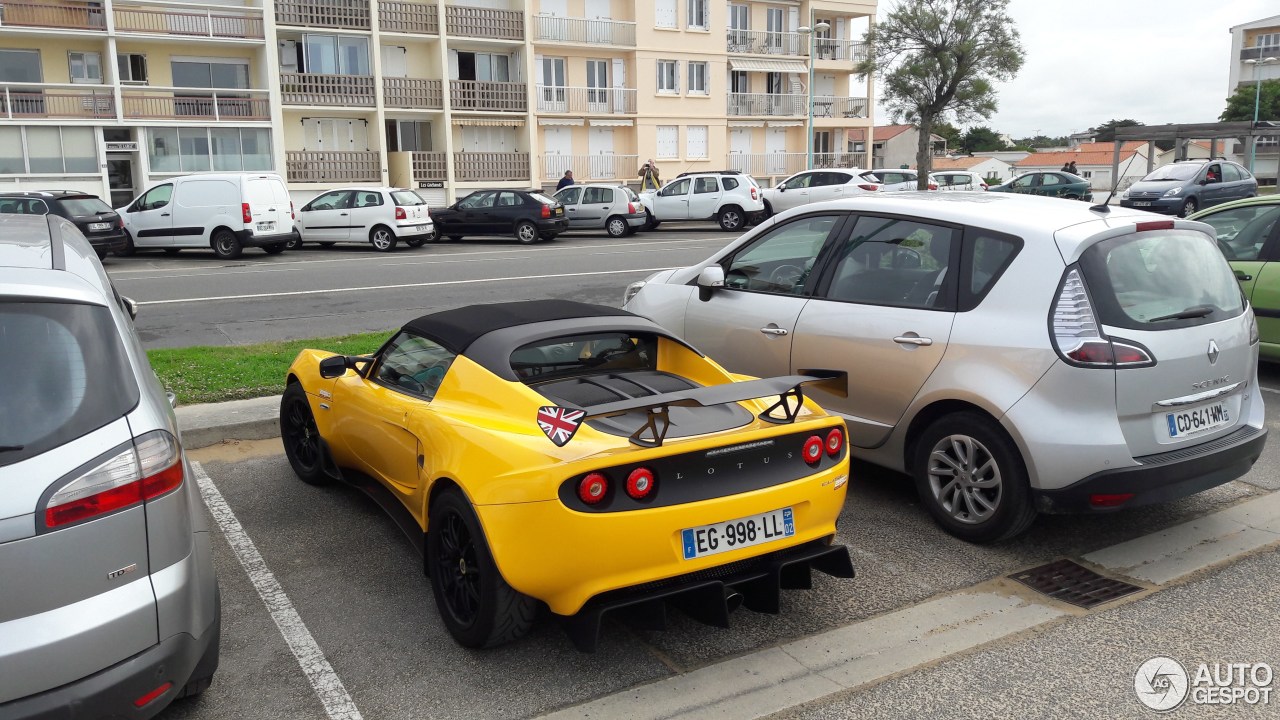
(223, 211)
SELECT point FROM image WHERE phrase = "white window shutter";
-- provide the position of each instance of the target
(665, 13)
(793, 19)
(696, 141)
(668, 141)
(538, 70)
(677, 76)
(453, 64)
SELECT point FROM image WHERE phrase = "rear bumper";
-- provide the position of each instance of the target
(1163, 477)
(248, 239)
(1171, 205)
(107, 242)
(553, 225)
(426, 227)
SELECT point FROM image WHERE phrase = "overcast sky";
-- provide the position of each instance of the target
(1089, 61)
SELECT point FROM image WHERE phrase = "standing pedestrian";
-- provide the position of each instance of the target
(649, 179)
(1066, 167)
(1071, 168)
(565, 181)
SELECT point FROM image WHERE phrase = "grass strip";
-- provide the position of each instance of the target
(205, 374)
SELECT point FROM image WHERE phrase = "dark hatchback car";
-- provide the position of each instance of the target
(100, 225)
(527, 214)
(1049, 184)
(1186, 186)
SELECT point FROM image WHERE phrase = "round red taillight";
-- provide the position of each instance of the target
(592, 488)
(835, 441)
(640, 483)
(812, 450)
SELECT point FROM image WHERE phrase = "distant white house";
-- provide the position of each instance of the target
(1093, 162)
(1009, 156)
(1196, 150)
(985, 167)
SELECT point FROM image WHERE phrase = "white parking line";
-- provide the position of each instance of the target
(328, 687)
(1270, 390)
(397, 287)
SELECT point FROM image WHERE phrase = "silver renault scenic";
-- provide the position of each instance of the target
(108, 602)
(1012, 354)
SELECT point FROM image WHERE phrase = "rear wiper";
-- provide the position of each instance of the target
(1195, 311)
(11, 448)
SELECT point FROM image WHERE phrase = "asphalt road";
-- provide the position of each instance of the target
(195, 299)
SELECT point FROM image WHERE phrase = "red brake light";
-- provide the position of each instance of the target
(292, 215)
(400, 215)
(640, 483)
(812, 451)
(933, 186)
(1093, 352)
(149, 469)
(631, 208)
(244, 212)
(1154, 225)
(869, 187)
(1104, 501)
(546, 211)
(753, 193)
(592, 488)
(835, 442)
(145, 699)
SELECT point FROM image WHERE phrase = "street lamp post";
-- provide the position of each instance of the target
(811, 33)
(1257, 97)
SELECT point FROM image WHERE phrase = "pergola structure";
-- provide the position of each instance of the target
(1181, 134)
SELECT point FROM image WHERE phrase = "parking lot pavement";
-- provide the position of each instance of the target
(358, 587)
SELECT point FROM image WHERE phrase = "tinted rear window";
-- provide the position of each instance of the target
(584, 354)
(66, 374)
(1175, 171)
(1139, 280)
(78, 207)
(542, 198)
(407, 197)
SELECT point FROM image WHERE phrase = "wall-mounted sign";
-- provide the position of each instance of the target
(430, 184)
(121, 146)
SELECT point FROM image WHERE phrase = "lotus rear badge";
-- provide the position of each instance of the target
(559, 423)
(1213, 352)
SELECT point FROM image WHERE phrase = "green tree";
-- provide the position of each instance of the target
(948, 132)
(1240, 104)
(1106, 132)
(937, 59)
(980, 139)
(1041, 141)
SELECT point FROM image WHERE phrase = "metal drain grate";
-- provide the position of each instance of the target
(1072, 583)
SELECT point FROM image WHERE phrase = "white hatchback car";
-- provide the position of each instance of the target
(380, 216)
(895, 180)
(957, 180)
(1013, 354)
(810, 186)
(729, 197)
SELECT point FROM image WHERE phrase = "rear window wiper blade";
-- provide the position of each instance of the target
(1195, 311)
(11, 448)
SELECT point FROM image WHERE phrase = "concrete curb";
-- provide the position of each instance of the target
(205, 425)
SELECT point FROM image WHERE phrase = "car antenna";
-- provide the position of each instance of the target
(1105, 207)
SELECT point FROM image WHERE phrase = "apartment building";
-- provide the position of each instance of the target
(112, 95)
(1255, 56)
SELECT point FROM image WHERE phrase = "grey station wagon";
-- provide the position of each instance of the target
(1184, 187)
(1013, 354)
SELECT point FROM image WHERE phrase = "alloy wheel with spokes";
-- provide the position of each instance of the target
(382, 239)
(617, 227)
(301, 437)
(965, 478)
(457, 570)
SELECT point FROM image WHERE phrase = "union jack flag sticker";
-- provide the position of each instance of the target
(559, 423)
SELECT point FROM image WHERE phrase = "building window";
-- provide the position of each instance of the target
(484, 67)
(1268, 40)
(698, 14)
(20, 66)
(668, 141)
(408, 136)
(668, 77)
(174, 150)
(695, 139)
(85, 67)
(210, 73)
(697, 78)
(739, 82)
(48, 150)
(131, 68)
(335, 55)
(665, 13)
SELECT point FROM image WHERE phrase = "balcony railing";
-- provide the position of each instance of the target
(484, 22)
(414, 93)
(408, 17)
(485, 95)
(323, 166)
(349, 14)
(194, 104)
(585, 101)
(490, 166)
(581, 31)
(430, 166)
(764, 42)
(207, 23)
(842, 50)
(35, 100)
(768, 104)
(70, 15)
(833, 106)
(1260, 52)
(319, 89)
(589, 167)
(840, 160)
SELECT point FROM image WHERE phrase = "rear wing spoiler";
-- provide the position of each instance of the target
(787, 408)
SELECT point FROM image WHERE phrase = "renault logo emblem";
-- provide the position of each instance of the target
(1213, 352)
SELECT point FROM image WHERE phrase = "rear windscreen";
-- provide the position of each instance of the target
(1161, 280)
(407, 198)
(585, 354)
(65, 375)
(77, 207)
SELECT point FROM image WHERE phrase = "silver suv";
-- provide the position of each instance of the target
(1013, 354)
(108, 601)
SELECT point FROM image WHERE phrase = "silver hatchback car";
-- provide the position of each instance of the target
(1013, 354)
(108, 605)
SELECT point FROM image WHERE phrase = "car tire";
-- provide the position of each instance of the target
(226, 245)
(1189, 207)
(418, 241)
(172, 251)
(101, 253)
(455, 238)
(526, 232)
(478, 607)
(327, 244)
(128, 249)
(650, 222)
(301, 438)
(768, 210)
(547, 237)
(992, 483)
(294, 244)
(617, 226)
(731, 218)
(275, 248)
(382, 239)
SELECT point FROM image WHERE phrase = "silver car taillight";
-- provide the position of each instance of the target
(150, 468)
(1077, 337)
(1254, 336)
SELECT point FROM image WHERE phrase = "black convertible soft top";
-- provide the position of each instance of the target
(457, 329)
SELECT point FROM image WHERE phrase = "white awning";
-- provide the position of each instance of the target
(559, 121)
(612, 123)
(488, 122)
(746, 123)
(785, 123)
(763, 65)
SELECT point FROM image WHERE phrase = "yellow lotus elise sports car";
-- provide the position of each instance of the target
(578, 457)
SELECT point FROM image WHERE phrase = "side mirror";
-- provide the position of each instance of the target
(782, 187)
(334, 367)
(130, 306)
(711, 278)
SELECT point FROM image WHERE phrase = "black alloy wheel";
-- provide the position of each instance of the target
(301, 436)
